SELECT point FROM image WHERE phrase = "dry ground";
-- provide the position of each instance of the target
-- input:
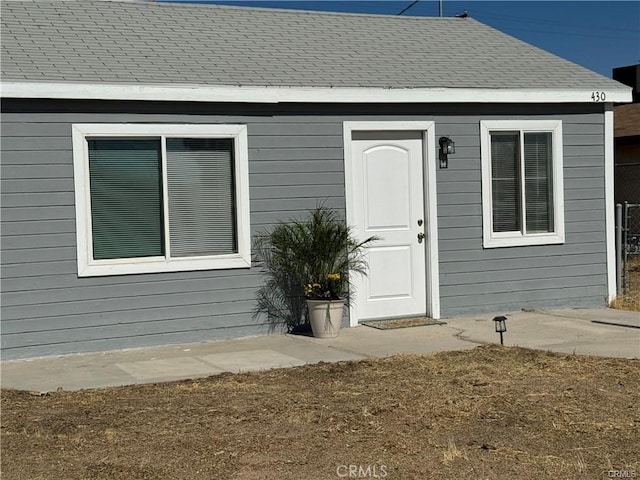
(489, 413)
(631, 300)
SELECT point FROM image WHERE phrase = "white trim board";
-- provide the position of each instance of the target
(609, 201)
(430, 198)
(260, 94)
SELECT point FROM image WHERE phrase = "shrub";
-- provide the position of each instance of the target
(314, 256)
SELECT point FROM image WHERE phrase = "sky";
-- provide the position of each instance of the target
(598, 35)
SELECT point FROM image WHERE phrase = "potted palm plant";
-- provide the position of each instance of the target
(311, 260)
(330, 254)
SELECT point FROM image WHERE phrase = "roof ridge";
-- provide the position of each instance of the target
(188, 4)
(100, 41)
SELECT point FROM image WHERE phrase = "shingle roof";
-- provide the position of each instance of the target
(92, 41)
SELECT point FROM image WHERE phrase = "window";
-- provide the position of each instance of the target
(161, 198)
(522, 187)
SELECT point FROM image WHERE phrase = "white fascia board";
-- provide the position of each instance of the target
(201, 93)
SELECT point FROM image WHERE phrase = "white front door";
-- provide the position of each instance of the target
(388, 201)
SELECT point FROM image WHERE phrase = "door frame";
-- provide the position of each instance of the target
(430, 198)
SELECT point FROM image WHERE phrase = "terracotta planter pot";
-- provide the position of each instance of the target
(325, 317)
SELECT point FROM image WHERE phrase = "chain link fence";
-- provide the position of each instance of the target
(628, 244)
(627, 197)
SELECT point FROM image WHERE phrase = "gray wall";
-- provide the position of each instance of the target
(473, 279)
(295, 159)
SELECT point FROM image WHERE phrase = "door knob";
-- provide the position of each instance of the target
(420, 237)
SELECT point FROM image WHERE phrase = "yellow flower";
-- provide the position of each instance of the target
(333, 276)
(310, 287)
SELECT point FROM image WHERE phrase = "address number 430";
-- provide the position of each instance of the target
(598, 96)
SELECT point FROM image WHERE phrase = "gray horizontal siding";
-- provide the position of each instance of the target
(47, 309)
(295, 161)
(507, 264)
(487, 298)
(228, 303)
(475, 280)
(234, 288)
(138, 339)
(83, 333)
(465, 244)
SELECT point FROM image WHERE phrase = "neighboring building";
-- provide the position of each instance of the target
(144, 144)
(627, 138)
(630, 76)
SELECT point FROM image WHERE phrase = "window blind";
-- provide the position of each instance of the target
(505, 181)
(537, 178)
(126, 198)
(200, 180)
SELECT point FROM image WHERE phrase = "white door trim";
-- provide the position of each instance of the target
(430, 198)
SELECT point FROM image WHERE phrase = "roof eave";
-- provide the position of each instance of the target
(271, 94)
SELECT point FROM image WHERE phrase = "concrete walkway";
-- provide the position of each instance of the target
(611, 333)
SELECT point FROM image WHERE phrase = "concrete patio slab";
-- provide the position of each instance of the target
(251, 360)
(162, 368)
(371, 342)
(604, 316)
(565, 331)
(69, 372)
(603, 332)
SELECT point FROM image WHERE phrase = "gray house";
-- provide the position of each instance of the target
(144, 144)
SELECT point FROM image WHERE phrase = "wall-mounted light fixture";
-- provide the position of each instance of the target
(446, 147)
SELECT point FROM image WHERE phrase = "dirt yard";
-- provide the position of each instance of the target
(489, 413)
(631, 299)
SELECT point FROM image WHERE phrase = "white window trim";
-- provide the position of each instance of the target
(88, 267)
(493, 239)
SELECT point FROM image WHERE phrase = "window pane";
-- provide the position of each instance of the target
(201, 196)
(505, 182)
(537, 178)
(126, 198)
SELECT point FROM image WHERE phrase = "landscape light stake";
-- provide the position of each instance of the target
(501, 326)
